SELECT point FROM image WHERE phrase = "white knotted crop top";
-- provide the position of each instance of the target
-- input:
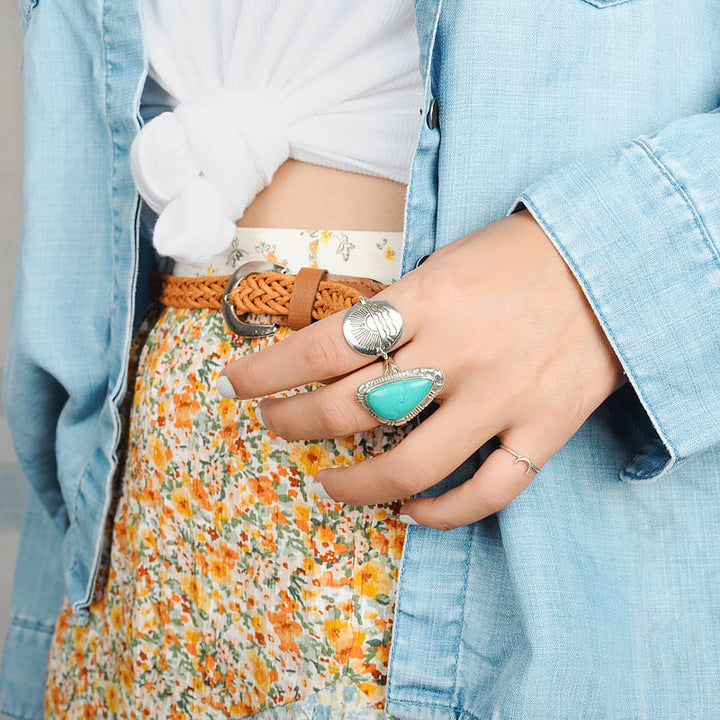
(247, 84)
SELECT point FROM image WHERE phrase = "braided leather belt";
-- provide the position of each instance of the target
(265, 288)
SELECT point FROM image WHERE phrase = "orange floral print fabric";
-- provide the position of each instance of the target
(232, 588)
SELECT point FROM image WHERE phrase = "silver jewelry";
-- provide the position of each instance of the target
(374, 327)
(399, 395)
(521, 459)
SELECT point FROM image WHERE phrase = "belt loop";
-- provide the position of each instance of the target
(302, 299)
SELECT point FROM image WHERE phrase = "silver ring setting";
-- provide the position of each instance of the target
(398, 396)
(521, 459)
(374, 327)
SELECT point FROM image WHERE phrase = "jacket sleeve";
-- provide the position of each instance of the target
(640, 228)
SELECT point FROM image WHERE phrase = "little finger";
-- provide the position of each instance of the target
(429, 453)
(501, 478)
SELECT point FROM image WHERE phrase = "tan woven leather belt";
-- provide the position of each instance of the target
(294, 300)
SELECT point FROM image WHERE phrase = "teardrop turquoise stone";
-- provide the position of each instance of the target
(396, 399)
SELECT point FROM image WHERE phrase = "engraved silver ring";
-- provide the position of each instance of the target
(373, 327)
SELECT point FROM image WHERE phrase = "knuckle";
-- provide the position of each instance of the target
(336, 418)
(494, 500)
(321, 357)
(410, 477)
(244, 377)
(406, 486)
(442, 510)
(446, 525)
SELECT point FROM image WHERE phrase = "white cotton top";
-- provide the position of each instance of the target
(251, 83)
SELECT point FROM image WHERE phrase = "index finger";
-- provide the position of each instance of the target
(313, 354)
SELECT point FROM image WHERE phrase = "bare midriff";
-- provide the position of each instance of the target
(303, 195)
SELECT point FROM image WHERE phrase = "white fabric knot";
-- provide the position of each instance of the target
(200, 166)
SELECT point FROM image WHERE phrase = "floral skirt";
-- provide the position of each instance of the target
(232, 588)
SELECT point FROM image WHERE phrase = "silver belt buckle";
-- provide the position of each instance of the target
(249, 330)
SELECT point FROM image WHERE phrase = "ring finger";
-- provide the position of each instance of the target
(328, 412)
(333, 411)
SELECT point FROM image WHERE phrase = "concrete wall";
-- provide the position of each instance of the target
(10, 180)
(13, 492)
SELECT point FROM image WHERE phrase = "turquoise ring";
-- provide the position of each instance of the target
(399, 395)
(374, 327)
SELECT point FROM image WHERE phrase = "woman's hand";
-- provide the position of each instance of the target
(524, 359)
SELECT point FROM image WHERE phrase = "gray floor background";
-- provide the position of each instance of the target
(13, 493)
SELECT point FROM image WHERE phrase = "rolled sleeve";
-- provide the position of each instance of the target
(640, 228)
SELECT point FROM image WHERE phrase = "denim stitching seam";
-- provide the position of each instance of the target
(34, 625)
(462, 620)
(668, 175)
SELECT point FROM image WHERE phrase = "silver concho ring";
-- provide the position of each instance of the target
(373, 327)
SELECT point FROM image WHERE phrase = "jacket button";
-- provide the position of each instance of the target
(433, 115)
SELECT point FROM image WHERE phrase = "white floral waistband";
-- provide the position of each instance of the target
(361, 253)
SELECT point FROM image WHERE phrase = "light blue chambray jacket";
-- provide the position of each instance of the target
(596, 593)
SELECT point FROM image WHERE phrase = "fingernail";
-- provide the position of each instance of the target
(407, 519)
(225, 388)
(321, 492)
(258, 414)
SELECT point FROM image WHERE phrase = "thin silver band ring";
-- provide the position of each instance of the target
(520, 459)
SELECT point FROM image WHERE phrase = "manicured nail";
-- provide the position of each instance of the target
(321, 492)
(258, 414)
(225, 388)
(407, 519)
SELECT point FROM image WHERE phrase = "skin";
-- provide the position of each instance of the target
(302, 195)
(524, 358)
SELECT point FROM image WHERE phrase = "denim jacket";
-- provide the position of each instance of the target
(594, 594)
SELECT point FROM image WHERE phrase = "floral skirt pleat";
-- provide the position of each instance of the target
(232, 588)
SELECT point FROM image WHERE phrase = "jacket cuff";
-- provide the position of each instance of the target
(22, 687)
(639, 246)
(36, 600)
